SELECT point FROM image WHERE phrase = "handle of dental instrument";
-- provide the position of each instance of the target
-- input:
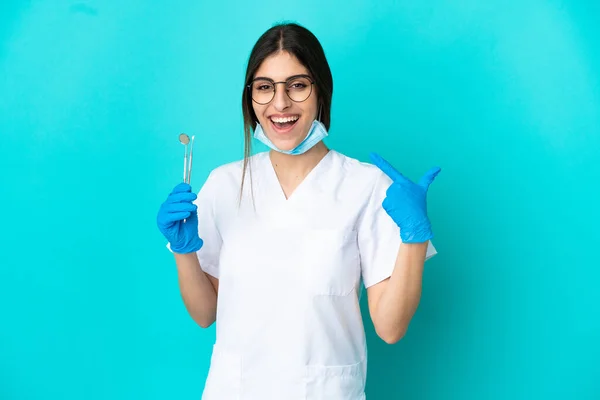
(187, 172)
(189, 176)
(185, 168)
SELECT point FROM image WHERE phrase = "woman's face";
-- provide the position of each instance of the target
(285, 122)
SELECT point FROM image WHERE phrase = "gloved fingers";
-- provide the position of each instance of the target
(388, 169)
(429, 176)
(174, 217)
(181, 197)
(179, 207)
(181, 187)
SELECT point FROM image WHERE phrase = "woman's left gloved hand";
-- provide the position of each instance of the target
(406, 202)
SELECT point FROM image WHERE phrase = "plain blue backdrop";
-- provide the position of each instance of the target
(503, 95)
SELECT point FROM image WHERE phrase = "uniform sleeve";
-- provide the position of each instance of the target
(208, 229)
(379, 237)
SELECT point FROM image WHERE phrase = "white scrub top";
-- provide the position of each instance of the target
(289, 325)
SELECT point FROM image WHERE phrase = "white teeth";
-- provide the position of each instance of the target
(282, 120)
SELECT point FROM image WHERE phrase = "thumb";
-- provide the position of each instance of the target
(429, 176)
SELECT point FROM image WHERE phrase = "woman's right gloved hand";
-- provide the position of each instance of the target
(182, 237)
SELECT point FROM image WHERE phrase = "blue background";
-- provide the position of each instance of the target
(503, 95)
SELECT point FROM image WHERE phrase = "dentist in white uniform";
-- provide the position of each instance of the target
(276, 246)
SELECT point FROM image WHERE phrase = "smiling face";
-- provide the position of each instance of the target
(284, 121)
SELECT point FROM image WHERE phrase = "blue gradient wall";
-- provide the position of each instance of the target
(505, 96)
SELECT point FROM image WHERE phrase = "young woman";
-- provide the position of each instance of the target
(275, 247)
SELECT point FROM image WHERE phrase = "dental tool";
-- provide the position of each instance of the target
(184, 140)
(187, 163)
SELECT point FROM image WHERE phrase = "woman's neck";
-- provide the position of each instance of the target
(292, 169)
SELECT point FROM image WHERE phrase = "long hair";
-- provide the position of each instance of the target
(301, 43)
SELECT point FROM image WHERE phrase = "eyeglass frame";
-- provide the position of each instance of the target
(249, 87)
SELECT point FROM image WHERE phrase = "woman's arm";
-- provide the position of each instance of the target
(198, 289)
(393, 302)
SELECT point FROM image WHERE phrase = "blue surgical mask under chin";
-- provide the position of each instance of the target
(316, 133)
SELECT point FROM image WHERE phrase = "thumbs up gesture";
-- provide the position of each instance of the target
(406, 202)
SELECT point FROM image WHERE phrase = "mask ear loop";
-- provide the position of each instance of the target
(320, 110)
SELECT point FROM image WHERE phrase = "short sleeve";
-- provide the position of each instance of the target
(379, 237)
(208, 231)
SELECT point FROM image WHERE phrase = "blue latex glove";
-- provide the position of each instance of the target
(182, 237)
(406, 202)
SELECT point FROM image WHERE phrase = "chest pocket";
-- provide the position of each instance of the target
(331, 261)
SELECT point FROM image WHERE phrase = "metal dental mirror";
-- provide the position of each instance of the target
(187, 164)
(184, 140)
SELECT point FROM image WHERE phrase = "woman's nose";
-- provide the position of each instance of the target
(281, 100)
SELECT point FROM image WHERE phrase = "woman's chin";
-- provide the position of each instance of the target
(285, 145)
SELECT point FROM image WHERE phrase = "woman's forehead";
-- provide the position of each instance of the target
(280, 66)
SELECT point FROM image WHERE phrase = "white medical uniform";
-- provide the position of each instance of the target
(288, 323)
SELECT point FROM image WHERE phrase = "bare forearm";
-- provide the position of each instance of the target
(400, 298)
(198, 293)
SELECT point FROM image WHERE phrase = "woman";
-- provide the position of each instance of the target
(275, 247)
